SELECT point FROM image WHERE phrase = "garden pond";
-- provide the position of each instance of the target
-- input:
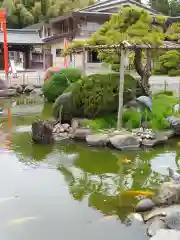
(71, 191)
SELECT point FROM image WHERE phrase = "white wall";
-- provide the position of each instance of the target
(59, 61)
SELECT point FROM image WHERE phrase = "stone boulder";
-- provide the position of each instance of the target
(97, 140)
(3, 85)
(8, 93)
(29, 88)
(154, 225)
(42, 132)
(37, 91)
(166, 234)
(169, 193)
(175, 124)
(124, 142)
(145, 205)
(81, 133)
(160, 138)
(133, 219)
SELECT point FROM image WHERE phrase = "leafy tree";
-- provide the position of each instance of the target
(162, 6)
(136, 26)
(21, 13)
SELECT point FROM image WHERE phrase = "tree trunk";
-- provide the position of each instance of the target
(144, 72)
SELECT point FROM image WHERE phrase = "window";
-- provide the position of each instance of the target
(49, 32)
(93, 57)
(40, 33)
(58, 52)
(93, 26)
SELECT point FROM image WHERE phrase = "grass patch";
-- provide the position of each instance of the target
(162, 108)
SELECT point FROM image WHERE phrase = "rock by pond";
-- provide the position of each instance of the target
(169, 193)
(26, 89)
(155, 225)
(8, 93)
(145, 205)
(3, 85)
(42, 132)
(175, 124)
(81, 133)
(124, 142)
(134, 219)
(166, 234)
(97, 140)
(29, 88)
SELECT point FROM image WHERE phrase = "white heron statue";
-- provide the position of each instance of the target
(144, 103)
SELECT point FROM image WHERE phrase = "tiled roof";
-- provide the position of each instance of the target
(110, 4)
(22, 36)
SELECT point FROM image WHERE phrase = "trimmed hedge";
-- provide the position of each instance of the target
(96, 95)
(59, 81)
(162, 108)
(168, 64)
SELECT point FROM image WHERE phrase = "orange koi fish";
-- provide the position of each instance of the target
(138, 193)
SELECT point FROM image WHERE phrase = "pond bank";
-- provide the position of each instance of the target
(46, 131)
(75, 186)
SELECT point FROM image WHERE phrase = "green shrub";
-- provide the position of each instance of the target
(97, 95)
(174, 72)
(169, 63)
(162, 108)
(164, 92)
(59, 81)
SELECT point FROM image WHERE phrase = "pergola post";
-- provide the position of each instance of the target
(121, 87)
(84, 61)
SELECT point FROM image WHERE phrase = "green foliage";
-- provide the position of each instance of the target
(58, 82)
(162, 108)
(21, 13)
(174, 72)
(102, 123)
(97, 95)
(131, 24)
(166, 7)
(168, 63)
(164, 92)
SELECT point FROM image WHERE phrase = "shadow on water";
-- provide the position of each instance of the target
(97, 177)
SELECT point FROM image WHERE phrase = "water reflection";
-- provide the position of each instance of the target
(99, 176)
(74, 186)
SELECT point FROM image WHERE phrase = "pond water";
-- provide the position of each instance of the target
(68, 191)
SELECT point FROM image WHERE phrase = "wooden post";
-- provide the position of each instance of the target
(121, 88)
(179, 97)
(84, 61)
(9, 142)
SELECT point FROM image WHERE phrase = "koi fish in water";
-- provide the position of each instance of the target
(20, 220)
(110, 217)
(124, 160)
(138, 193)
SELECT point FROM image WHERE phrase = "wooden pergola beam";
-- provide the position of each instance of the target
(124, 47)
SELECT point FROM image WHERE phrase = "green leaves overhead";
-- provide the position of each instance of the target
(132, 24)
(21, 13)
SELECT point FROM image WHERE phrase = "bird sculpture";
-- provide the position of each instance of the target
(141, 103)
(144, 103)
(174, 175)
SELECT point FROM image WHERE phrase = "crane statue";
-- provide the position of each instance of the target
(142, 103)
